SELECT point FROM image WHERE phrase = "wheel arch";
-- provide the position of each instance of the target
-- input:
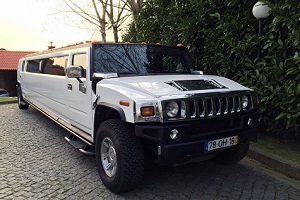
(19, 89)
(105, 111)
(18, 85)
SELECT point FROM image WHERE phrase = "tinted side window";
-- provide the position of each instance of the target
(55, 66)
(23, 66)
(33, 66)
(80, 60)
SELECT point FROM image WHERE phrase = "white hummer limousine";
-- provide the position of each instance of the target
(128, 103)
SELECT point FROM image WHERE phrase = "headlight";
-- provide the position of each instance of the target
(245, 102)
(172, 109)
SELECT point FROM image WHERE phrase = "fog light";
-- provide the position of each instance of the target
(250, 122)
(174, 134)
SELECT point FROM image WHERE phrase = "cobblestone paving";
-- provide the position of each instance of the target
(37, 163)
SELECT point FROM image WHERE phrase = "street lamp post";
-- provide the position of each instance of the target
(260, 11)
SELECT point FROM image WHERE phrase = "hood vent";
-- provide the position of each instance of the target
(188, 85)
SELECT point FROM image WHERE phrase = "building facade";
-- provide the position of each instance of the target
(8, 69)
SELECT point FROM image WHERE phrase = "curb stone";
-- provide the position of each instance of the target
(279, 164)
(8, 102)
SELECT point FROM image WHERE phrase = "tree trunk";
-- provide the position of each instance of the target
(103, 36)
(135, 26)
(115, 31)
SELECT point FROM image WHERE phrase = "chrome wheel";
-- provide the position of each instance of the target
(108, 157)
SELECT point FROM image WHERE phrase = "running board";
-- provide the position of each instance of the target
(83, 147)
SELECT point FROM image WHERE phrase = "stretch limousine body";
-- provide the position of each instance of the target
(127, 103)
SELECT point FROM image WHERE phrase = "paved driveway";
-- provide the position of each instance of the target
(37, 163)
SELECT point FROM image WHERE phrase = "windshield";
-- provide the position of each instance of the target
(140, 59)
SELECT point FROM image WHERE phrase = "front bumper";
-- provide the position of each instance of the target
(194, 134)
(178, 153)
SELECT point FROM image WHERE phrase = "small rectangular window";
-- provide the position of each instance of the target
(33, 66)
(80, 60)
(55, 66)
(23, 66)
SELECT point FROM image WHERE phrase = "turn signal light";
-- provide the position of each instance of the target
(147, 111)
(124, 103)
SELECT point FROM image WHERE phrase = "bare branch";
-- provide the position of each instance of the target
(97, 13)
(101, 15)
(80, 13)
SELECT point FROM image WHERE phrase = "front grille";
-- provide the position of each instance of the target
(211, 106)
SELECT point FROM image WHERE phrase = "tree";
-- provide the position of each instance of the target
(135, 7)
(119, 11)
(93, 17)
(116, 13)
(102, 15)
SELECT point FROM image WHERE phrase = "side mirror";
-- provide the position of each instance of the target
(74, 71)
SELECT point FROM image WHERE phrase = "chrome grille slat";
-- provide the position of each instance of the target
(218, 106)
(231, 105)
(239, 104)
(201, 108)
(193, 106)
(210, 107)
(225, 105)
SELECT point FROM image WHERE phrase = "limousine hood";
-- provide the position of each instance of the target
(170, 85)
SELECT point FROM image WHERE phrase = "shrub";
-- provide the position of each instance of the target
(222, 38)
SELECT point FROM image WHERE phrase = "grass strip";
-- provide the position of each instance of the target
(6, 100)
(284, 148)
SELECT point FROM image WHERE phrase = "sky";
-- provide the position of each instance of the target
(30, 25)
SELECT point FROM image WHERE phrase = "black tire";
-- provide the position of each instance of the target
(126, 171)
(22, 104)
(232, 156)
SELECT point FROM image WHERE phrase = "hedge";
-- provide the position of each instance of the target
(222, 38)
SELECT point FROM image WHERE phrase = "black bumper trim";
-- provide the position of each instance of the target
(178, 153)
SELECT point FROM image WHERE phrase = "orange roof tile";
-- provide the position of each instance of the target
(9, 59)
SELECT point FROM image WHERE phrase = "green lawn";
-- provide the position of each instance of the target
(8, 100)
(287, 149)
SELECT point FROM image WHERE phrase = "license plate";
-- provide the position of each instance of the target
(220, 143)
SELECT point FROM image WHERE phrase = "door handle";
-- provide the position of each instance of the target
(69, 86)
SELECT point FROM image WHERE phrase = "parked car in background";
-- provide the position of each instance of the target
(4, 93)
